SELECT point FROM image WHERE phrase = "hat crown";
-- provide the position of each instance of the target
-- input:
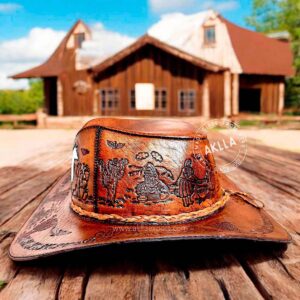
(143, 171)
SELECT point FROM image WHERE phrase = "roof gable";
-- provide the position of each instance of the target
(240, 49)
(148, 40)
(53, 66)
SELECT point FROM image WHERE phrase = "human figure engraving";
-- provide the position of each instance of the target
(186, 183)
(152, 188)
(82, 175)
(189, 185)
(110, 174)
(205, 187)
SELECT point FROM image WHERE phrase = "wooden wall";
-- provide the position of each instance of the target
(270, 90)
(152, 65)
(216, 94)
(73, 102)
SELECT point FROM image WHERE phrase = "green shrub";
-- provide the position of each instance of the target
(292, 95)
(2, 284)
(22, 102)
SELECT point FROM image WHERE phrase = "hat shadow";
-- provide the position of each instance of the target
(165, 256)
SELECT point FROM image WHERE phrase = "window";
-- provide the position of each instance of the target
(209, 35)
(187, 100)
(79, 39)
(160, 99)
(144, 96)
(132, 99)
(109, 99)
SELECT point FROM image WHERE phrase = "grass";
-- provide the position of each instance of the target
(268, 125)
(292, 113)
(246, 123)
(2, 284)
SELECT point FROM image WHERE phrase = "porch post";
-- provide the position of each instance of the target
(205, 99)
(227, 94)
(235, 94)
(60, 104)
(281, 98)
(95, 102)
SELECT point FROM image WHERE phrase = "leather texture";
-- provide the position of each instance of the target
(142, 176)
(128, 171)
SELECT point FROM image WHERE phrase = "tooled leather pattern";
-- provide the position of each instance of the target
(152, 187)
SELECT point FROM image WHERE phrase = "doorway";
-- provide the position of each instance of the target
(249, 100)
(50, 95)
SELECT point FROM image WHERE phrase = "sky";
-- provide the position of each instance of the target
(30, 30)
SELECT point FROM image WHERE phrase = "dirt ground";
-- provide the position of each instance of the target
(19, 145)
(278, 138)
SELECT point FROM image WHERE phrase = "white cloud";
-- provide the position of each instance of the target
(21, 54)
(166, 6)
(33, 48)
(104, 43)
(10, 84)
(9, 7)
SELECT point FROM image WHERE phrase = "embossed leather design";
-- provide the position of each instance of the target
(124, 170)
(54, 228)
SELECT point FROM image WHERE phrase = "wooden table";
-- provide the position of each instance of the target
(165, 270)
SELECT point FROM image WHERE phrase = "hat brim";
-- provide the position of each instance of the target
(54, 228)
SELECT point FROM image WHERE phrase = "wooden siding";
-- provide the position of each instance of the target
(216, 94)
(75, 103)
(152, 65)
(270, 90)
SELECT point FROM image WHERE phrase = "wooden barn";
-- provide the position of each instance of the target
(195, 65)
(180, 82)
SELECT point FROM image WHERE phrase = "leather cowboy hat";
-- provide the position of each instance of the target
(141, 180)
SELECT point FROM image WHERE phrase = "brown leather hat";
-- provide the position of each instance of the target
(141, 180)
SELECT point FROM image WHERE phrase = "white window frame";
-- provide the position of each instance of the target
(79, 44)
(205, 40)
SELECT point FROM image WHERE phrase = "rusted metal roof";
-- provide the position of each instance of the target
(259, 54)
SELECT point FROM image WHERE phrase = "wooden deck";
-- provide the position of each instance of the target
(165, 270)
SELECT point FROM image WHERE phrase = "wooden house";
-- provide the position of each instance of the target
(195, 65)
(181, 81)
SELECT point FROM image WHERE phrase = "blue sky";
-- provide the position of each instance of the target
(31, 30)
(130, 17)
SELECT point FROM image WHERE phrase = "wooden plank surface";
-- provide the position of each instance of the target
(175, 270)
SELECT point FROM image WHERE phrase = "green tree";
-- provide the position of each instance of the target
(22, 102)
(281, 15)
